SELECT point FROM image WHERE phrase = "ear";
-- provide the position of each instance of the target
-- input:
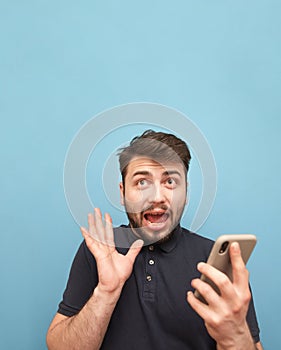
(121, 188)
(187, 198)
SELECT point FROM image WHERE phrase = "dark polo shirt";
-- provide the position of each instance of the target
(152, 312)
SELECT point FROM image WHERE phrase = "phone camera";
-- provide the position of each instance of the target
(223, 247)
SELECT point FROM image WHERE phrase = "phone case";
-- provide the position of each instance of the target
(219, 256)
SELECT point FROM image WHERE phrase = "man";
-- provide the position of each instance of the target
(132, 287)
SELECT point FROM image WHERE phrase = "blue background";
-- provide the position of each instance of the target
(62, 62)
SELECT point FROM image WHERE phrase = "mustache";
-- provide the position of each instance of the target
(152, 207)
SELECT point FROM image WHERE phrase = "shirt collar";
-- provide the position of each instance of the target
(128, 237)
(171, 243)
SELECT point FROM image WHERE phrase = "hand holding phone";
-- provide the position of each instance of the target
(220, 259)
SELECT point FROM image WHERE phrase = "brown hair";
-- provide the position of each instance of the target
(159, 146)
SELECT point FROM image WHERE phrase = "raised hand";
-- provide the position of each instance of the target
(113, 268)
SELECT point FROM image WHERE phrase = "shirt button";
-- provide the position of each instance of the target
(151, 262)
(148, 278)
(151, 248)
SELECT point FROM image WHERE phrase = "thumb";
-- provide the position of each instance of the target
(134, 250)
(239, 271)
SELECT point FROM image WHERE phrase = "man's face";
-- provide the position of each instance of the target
(154, 197)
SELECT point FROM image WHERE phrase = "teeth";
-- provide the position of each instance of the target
(156, 217)
(154, 214)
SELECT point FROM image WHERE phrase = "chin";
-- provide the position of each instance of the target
(152, 237)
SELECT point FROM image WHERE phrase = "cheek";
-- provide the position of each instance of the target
(134, 200)
(133, 196)
(178, 200)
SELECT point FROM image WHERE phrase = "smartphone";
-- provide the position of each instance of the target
(220, 259)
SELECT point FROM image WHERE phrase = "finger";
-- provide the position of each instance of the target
(239, 271)
(91, 224)
(84, 232)
(90, 241)
(100, 230)
(202, 309)
(109, 230)
(134, 250)
(207, 292)
(218, 278)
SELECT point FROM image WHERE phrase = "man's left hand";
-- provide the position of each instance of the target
(225, 314)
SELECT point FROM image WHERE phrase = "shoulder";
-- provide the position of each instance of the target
(195, 237)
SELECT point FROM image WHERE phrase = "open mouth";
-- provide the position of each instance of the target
(156, 217)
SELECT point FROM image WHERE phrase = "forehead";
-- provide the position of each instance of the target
(150, 165)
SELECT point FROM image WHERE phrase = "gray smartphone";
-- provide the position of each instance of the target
(219, 256)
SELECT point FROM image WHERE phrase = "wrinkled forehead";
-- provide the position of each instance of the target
(141, 163)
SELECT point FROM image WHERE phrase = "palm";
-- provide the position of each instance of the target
(113, 268)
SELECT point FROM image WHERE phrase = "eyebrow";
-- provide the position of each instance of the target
(141, 172)
(172, 172)
(165, 173)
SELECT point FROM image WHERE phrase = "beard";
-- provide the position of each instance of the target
(135, 220)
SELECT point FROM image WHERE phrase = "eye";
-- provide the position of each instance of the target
(142, 183)
(170, 182)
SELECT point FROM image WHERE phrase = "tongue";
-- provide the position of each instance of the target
(156, 218)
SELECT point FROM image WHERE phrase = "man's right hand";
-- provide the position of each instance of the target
(79, 331)
(113, 268)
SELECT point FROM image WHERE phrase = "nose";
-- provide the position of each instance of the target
(156, 194)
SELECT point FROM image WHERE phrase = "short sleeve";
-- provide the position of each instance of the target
(81, 283)
(252, 322)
